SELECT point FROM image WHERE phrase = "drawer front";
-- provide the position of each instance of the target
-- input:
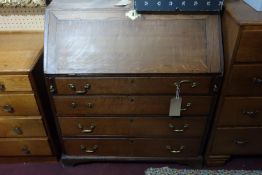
(9, 83)
(22, 127)
(132, 126)
(24, 147)
(18, 104)
(245, 111)
(245, 80)
(132, 85)
(239, 141)
(250, 46)
(133, 147)
(195, 105)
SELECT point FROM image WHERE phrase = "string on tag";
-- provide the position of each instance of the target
(177, 91)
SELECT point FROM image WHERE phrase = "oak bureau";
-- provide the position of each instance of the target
(112, 80)
(24, 132)
(238, 123)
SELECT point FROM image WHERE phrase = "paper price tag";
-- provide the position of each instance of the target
(175, 103)
(175, 106)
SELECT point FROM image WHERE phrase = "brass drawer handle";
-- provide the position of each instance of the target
(2, 87)
(25, 150)
(251, 114)
(240, 142)
(178, 130)
(88, 150)
(8, 108)
(90, 105)
(174, 151)
(51, 89)
(73, 88)
(187, 106)
(18, 130)
(257, 81)
(74, 105)
(89, 129)
(179, 83)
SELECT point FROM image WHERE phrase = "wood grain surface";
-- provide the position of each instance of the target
(20, 51)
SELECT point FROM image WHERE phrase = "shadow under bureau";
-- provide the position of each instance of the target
(111, 81)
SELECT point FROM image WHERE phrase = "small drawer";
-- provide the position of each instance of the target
(245, 80)
(18, 105)
(24, 147)
(250, 46)
(131, 85)
(133, 147)
(132, 126)
(237, 141)
(21, 127)
(241, 111)
(10, 83)
(155, 105)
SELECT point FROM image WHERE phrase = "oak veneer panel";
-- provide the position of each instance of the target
(23, 49)
(237, 141)
(241, 111)
(29, 127)
(133, 126)
(189, 44)
(15, 83)
(155, 105)
(22, 104)
(132, 85)
(16, 147)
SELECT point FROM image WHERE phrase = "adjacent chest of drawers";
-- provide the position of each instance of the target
(22, 120)
(111, 80)
(238, 124)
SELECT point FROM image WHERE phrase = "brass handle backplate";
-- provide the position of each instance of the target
(251, 114)
(175, 151)
(18, 130)
(178, 130)
(257, 81)
(8, 108)
(73, 88)
(25, 150)
(88, 150)
(88, 105)
(88, 129)
(51, 89)
(187, 106)
(240, 142)
(2, 87)
(179, 83)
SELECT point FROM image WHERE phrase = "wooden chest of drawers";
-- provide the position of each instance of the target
(23, 123)
(111, 80)
(238, 122)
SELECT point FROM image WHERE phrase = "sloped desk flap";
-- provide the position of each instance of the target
(90, 41)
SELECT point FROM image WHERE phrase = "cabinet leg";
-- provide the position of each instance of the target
(216, 160)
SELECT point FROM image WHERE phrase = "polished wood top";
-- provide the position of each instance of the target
(19, 51)
(243, 13)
